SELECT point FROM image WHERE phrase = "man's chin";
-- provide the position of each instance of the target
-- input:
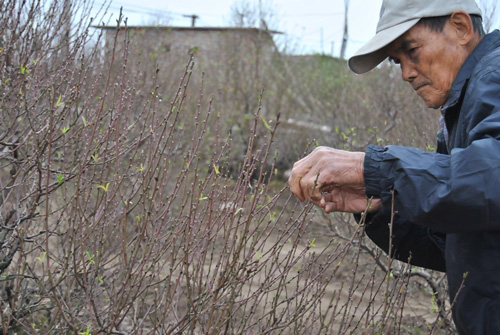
(433, 105)
(430, 102)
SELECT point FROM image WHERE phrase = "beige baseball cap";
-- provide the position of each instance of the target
(396, 18)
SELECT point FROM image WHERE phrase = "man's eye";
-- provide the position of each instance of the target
(394, 60)
(412, 50)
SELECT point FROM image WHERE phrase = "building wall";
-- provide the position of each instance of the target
(210, 46)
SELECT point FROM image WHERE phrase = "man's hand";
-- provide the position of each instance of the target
(332, 179)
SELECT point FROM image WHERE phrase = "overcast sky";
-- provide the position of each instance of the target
(311, 26)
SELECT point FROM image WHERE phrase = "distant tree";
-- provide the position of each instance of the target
(490, 14)
(245, 13)
(159, 18)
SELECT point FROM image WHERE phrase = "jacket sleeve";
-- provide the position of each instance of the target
(411, 243)
(454, 193)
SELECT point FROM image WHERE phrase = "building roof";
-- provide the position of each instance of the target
(171, 28)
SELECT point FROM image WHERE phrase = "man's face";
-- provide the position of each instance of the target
(429, 60)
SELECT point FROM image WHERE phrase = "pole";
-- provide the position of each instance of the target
(345, 37)
(193, 19)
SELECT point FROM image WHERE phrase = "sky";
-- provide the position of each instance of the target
(308, 26)
(312, 26)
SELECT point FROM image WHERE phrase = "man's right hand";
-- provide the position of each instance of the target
(332, 179)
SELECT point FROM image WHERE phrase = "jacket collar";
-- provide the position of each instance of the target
(488, 43)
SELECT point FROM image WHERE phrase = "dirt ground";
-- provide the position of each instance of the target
(367, 299)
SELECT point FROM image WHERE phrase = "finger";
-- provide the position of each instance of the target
(312, 183)
(299, 170)
(331, 200)
(330, 207)
(308, 188)
(316, 195)
(322, 202)
(316, 202)
(375, 205)
(294, 182)
(295, 188)
(328, 196)
(302, 180)
(297, 184)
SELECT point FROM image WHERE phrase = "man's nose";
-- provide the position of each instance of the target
(408, 72)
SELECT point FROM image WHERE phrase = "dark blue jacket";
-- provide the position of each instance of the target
(448, 202)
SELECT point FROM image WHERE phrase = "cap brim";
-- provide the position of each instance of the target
(373, 52)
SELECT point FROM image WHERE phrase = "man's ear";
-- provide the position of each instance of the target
(461, 22)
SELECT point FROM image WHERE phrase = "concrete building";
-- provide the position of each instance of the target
(208, 45)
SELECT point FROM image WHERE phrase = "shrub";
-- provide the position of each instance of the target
(124, 208)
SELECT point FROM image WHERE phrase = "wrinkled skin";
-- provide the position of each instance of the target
(430, 60)
(333, 179)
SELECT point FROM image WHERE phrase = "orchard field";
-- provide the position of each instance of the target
(147, 196)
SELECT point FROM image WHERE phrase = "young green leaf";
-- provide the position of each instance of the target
(86, 332)
(104, 188)
(59, 102)
(41, 258)
(90, 257)
(266, 124)
(258, 254)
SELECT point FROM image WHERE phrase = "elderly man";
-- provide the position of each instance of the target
(447, 203)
